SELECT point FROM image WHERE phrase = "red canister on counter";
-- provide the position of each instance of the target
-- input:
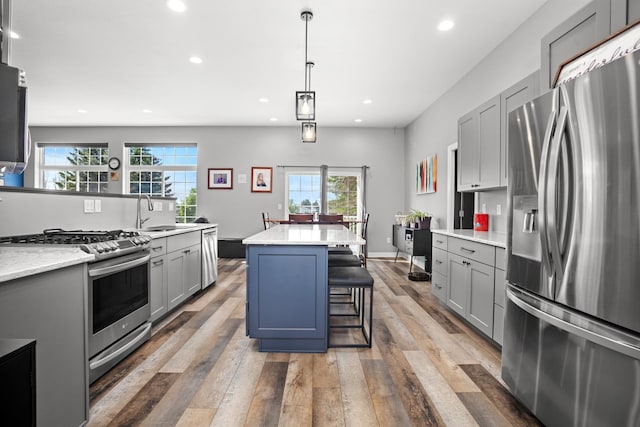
(481, 222)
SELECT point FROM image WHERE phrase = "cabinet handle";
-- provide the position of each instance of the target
(475, 185)
(466, 262)
(462, 248)
(188, 251)
(156, 248)
(438, 262)
(159, 262)
(440, 241)
(438, 286)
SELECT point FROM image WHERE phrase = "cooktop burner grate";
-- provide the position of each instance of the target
(58, 236)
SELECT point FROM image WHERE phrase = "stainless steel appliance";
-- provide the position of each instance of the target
(118, 290)
(571, 350)
(209, 256)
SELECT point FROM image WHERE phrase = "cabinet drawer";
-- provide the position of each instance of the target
(501, 258)
(439, 261)
(181, 241)
(480, 252)
(159, 246)
(439, 286)
(439, 241)
(498, 296)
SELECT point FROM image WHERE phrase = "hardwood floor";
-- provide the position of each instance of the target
(426, 367)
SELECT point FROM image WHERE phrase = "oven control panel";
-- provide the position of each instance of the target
(112, 248)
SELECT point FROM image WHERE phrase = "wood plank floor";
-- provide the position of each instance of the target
(426, 367)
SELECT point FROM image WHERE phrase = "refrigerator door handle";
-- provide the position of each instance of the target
(542, 189)
(612, 341)
(551, 193)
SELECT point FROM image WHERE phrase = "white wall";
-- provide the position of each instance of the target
(238, 210)
(436, 128)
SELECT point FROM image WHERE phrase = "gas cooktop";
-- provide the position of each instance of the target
(102, 244)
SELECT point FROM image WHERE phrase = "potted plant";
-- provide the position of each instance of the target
(419, 219)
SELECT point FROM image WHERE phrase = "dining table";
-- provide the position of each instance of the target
(287, 292)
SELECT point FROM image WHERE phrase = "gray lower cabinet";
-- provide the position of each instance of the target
(51, 308)
(468, 277)
(175, 271)
(624, 12)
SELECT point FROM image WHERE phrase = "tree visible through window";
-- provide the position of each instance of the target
(342, 195)
(75, 168)
(166, 170)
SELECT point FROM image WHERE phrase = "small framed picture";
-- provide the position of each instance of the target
(220, 179)
(261, 179)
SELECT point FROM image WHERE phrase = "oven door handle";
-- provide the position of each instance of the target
(97, 363)
(119, 267)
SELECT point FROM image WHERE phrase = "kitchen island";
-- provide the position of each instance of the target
(287, 292)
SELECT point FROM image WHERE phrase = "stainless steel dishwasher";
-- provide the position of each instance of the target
(209, 256)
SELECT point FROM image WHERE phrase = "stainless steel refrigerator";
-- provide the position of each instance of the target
(571, 349)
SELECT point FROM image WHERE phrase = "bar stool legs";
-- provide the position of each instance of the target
(359, 281)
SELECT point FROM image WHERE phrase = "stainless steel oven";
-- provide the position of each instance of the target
(119, 309)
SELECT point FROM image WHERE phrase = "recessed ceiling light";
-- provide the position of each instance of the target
(176, 5)
(14, 35)
(446, 25)
(263, 100)
(82, 111)
(367, 101)
(358, 120)
(273, 119)
(195, 60)
(146, 110)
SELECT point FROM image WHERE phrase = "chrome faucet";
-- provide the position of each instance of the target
(139, 219)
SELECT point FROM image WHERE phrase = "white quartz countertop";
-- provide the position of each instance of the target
(305, 234)
(21, 261)
(179, 229)
(494, 238)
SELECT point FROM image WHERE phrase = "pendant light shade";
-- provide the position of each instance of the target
(305, 105)
(309, 132)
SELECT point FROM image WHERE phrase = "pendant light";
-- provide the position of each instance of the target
(306, 100)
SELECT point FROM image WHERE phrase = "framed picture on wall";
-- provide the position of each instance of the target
(427, 175)
(220, 179)
(261, 179)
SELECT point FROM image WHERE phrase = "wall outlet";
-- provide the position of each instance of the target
(98, 205)
(499, 210)
(388, 239)
(484, 208)
(89, 206)
(279, 206)
(170, 206)
(157, 206)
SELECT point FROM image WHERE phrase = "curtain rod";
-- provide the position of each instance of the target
(319, 166)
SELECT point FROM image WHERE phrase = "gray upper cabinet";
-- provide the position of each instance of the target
(584, 29)
(478, 143)
(624, 12)
(521, 92)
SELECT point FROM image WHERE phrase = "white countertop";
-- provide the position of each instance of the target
(305, 234)
(21, 261)
(494, 238)
(180, 228)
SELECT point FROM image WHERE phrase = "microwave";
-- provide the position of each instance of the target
(15, 143)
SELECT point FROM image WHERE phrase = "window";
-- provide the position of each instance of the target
(165, 170)
(74, 167)
(303, 192)
(343, 192)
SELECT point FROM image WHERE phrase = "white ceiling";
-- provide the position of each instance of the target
(114, 58)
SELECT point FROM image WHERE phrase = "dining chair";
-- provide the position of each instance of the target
(265, 220)
(331, 218)
(300, 218)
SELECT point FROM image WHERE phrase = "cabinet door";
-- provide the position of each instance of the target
(624, 12)
(480, 307)
(439, 286)
(467, 152)
(158, 287)
(581, 31)
(458, 279)
(175, 275)
(489, 144)
(193, 269)
(523, 91)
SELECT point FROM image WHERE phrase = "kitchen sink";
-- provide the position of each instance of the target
(167, 227)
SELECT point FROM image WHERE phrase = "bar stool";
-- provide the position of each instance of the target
(359, 280)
